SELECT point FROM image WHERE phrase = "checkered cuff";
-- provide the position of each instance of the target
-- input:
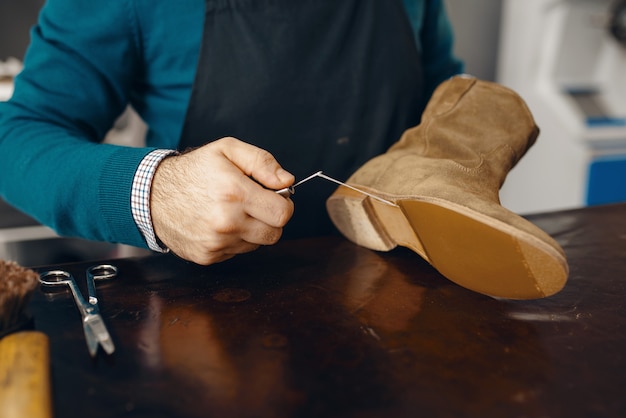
(140, 196)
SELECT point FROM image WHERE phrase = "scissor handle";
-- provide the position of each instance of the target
(102, 272)
(61, 278)
(55, 278)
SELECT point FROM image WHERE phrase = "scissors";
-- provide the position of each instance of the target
(95, 330)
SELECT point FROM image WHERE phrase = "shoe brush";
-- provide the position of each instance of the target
(24, 353)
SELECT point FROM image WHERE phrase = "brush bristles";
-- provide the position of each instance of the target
(16, 287)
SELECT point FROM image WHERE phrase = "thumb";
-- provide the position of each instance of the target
(256, 163)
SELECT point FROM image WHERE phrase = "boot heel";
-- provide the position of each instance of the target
(371, 223)
(354, 215)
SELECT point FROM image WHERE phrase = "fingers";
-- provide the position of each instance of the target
(212, 257)
(258, 202)
(228, 243)
(231, 225)
(208, 258)
(267, 206)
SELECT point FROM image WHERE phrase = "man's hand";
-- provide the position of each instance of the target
(207, 208)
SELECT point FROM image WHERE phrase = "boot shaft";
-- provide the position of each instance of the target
(477, 124)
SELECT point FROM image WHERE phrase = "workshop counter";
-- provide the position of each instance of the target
(324, 328)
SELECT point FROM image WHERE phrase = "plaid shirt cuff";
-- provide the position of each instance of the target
(140, 197)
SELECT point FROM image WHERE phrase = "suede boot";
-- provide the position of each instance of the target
(443, 179)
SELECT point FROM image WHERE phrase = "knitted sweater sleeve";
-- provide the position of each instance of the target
(75, 82)
(435, 40)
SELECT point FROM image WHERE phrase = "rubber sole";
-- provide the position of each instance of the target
(475, 251)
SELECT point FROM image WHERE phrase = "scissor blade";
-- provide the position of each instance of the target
(92, 342)
(99, 330)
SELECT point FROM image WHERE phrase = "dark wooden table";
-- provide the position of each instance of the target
(324, 328)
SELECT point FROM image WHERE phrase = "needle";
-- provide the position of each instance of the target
(319, 173)
(288, 191)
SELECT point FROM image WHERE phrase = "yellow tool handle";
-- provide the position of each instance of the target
(25, 376)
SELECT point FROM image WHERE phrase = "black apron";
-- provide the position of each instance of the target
(321, 84)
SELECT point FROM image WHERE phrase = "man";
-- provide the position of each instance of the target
(312, 85)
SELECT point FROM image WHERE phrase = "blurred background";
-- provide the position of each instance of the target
(476, 23)
(566, 58)
(16, 18)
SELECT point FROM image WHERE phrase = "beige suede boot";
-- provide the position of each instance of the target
(442, 179)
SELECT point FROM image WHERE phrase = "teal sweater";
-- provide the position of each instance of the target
(87, 61)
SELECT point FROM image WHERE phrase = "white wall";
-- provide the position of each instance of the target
(476, 25)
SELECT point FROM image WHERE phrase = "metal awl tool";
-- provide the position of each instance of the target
(289, 191)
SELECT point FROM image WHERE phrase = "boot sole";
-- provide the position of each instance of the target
(475, 251)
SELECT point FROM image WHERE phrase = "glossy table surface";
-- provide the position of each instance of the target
(324, 328)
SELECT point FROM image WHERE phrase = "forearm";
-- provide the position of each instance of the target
(434, 41)
(76, 187)
(438, 41)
